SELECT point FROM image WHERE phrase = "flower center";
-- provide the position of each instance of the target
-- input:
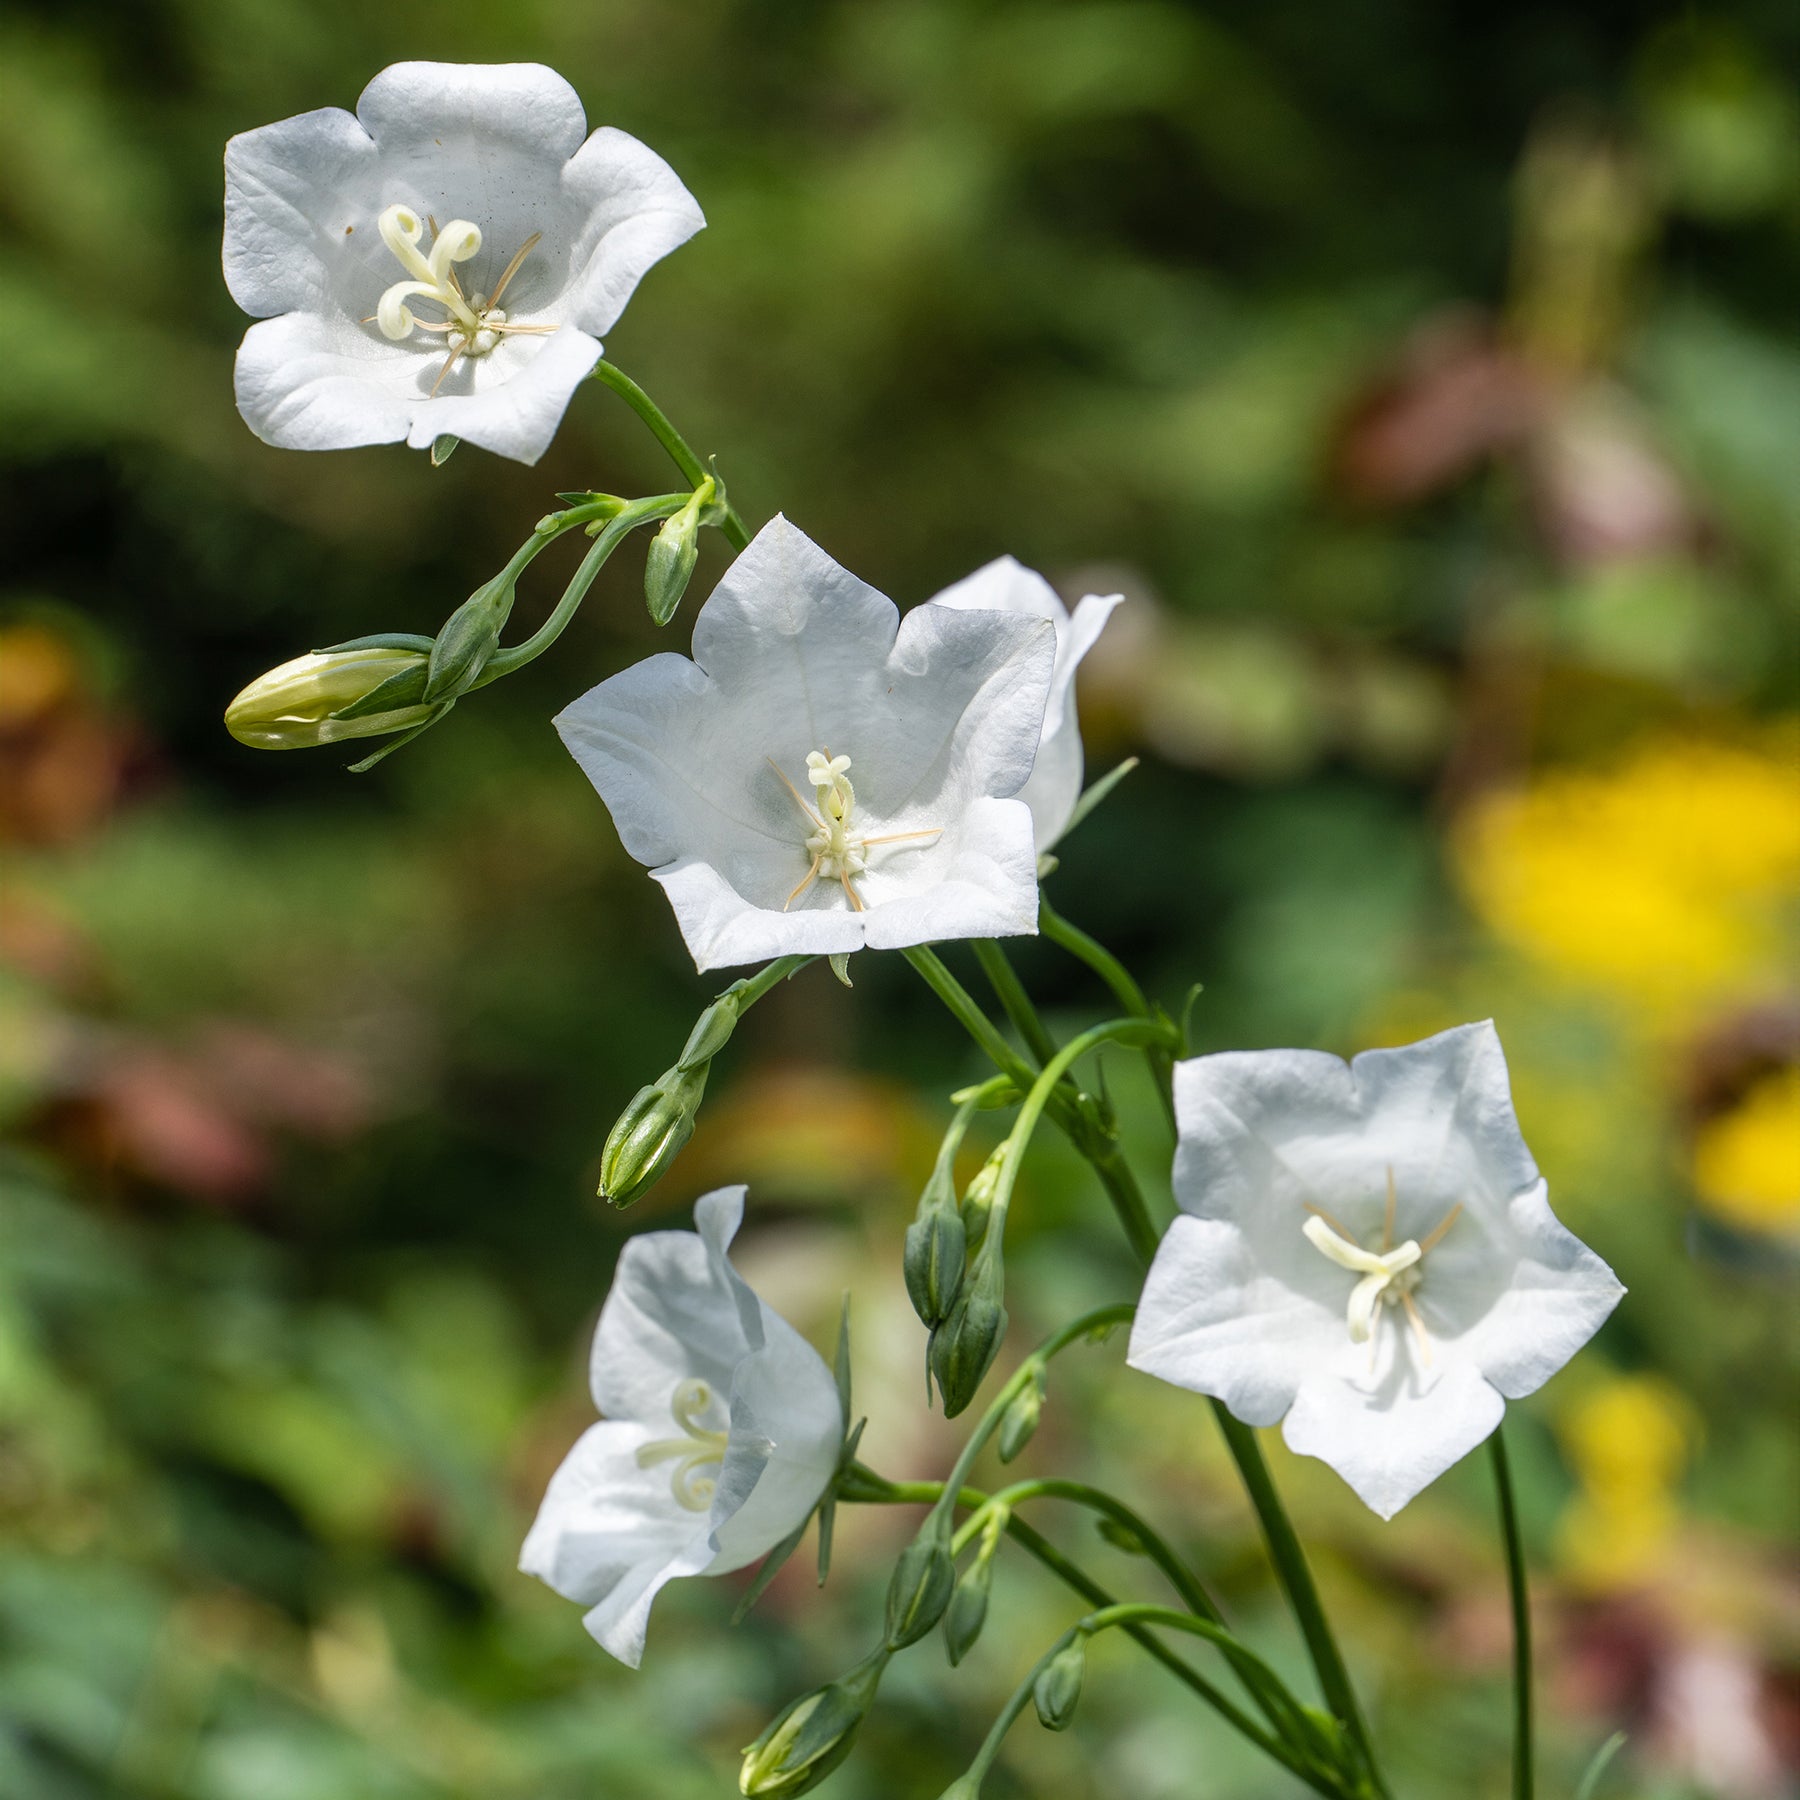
(1389, 1275)
(839, 852)
(696, 1450)
(473, 323)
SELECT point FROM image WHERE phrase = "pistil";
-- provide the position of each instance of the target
(698, 1448)
(839, 853)
(1389, 1275)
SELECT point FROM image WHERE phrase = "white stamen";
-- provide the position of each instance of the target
(1389, 1277)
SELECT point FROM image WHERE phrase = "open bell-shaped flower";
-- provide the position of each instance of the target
(722, 1430)
(1006, 585)
(825, 774)
(439, 264)
(1365, 1252)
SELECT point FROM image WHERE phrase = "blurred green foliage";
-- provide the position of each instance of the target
(1427, 379)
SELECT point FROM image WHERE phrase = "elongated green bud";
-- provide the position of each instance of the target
(810, 1737)
(330, 695)
(967, 1611)
(936, 1245)
(1021, 1417)
(669, 565)
(1057, 1689)
(649, 1134)
(963, 1348)
(978, 1197)
(922, 1583)
(469, 638)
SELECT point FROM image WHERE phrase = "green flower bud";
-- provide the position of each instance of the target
(303, 702)
(922, 1583)
(469, 638)
(712, 1032)
(936, 1244)
(670, 561)
(978, 1197)
(809, 1738)
(967, 1611)
(1021, 1417)
(649, 1134)
(1058, 1686)
(963, 1348)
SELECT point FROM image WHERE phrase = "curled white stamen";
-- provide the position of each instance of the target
(475, 324)
(1378, 1269)
(698, 1448)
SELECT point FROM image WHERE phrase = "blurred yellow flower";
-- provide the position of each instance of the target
(1747, 1161)
(1660, 880)
(1627, 1441)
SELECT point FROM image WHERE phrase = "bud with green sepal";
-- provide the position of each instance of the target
(1020, 1420)
(670, 563)
(978, 1198)
(1057, 1690)
(327, 696)
(922, 1583)
(812, 1736)
(967, 1611)
(469, 638)
(963, 1348)
(650, 1133)
(936, 1248)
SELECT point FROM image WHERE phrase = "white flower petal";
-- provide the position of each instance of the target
(939, 713)
(1390, 1439)
(1213, 1319)
(677, 1311)
(1557, 1294)
(1005, 585)
(1258, 1295)
(499, 145)
(634, 210)
(281, 251)
(608, 1537)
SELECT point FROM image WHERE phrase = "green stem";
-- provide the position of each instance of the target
(1095, 954)
(1296, 1579)
(1107, 1160)
(1134, 1618)
(1519, 1591)
(692, 469)
(873, 1489)
(1010, 991)
(614, 533)
(1055, 1487)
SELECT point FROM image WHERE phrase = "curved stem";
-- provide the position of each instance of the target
(1010, 991)
(614, 533)
(1124, 985)
(1055, 1487)
(1519, 1591)
(683, 457)
(873, 1489)
(1107, 1161)
(1135, 1618)
(1297, 1582)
